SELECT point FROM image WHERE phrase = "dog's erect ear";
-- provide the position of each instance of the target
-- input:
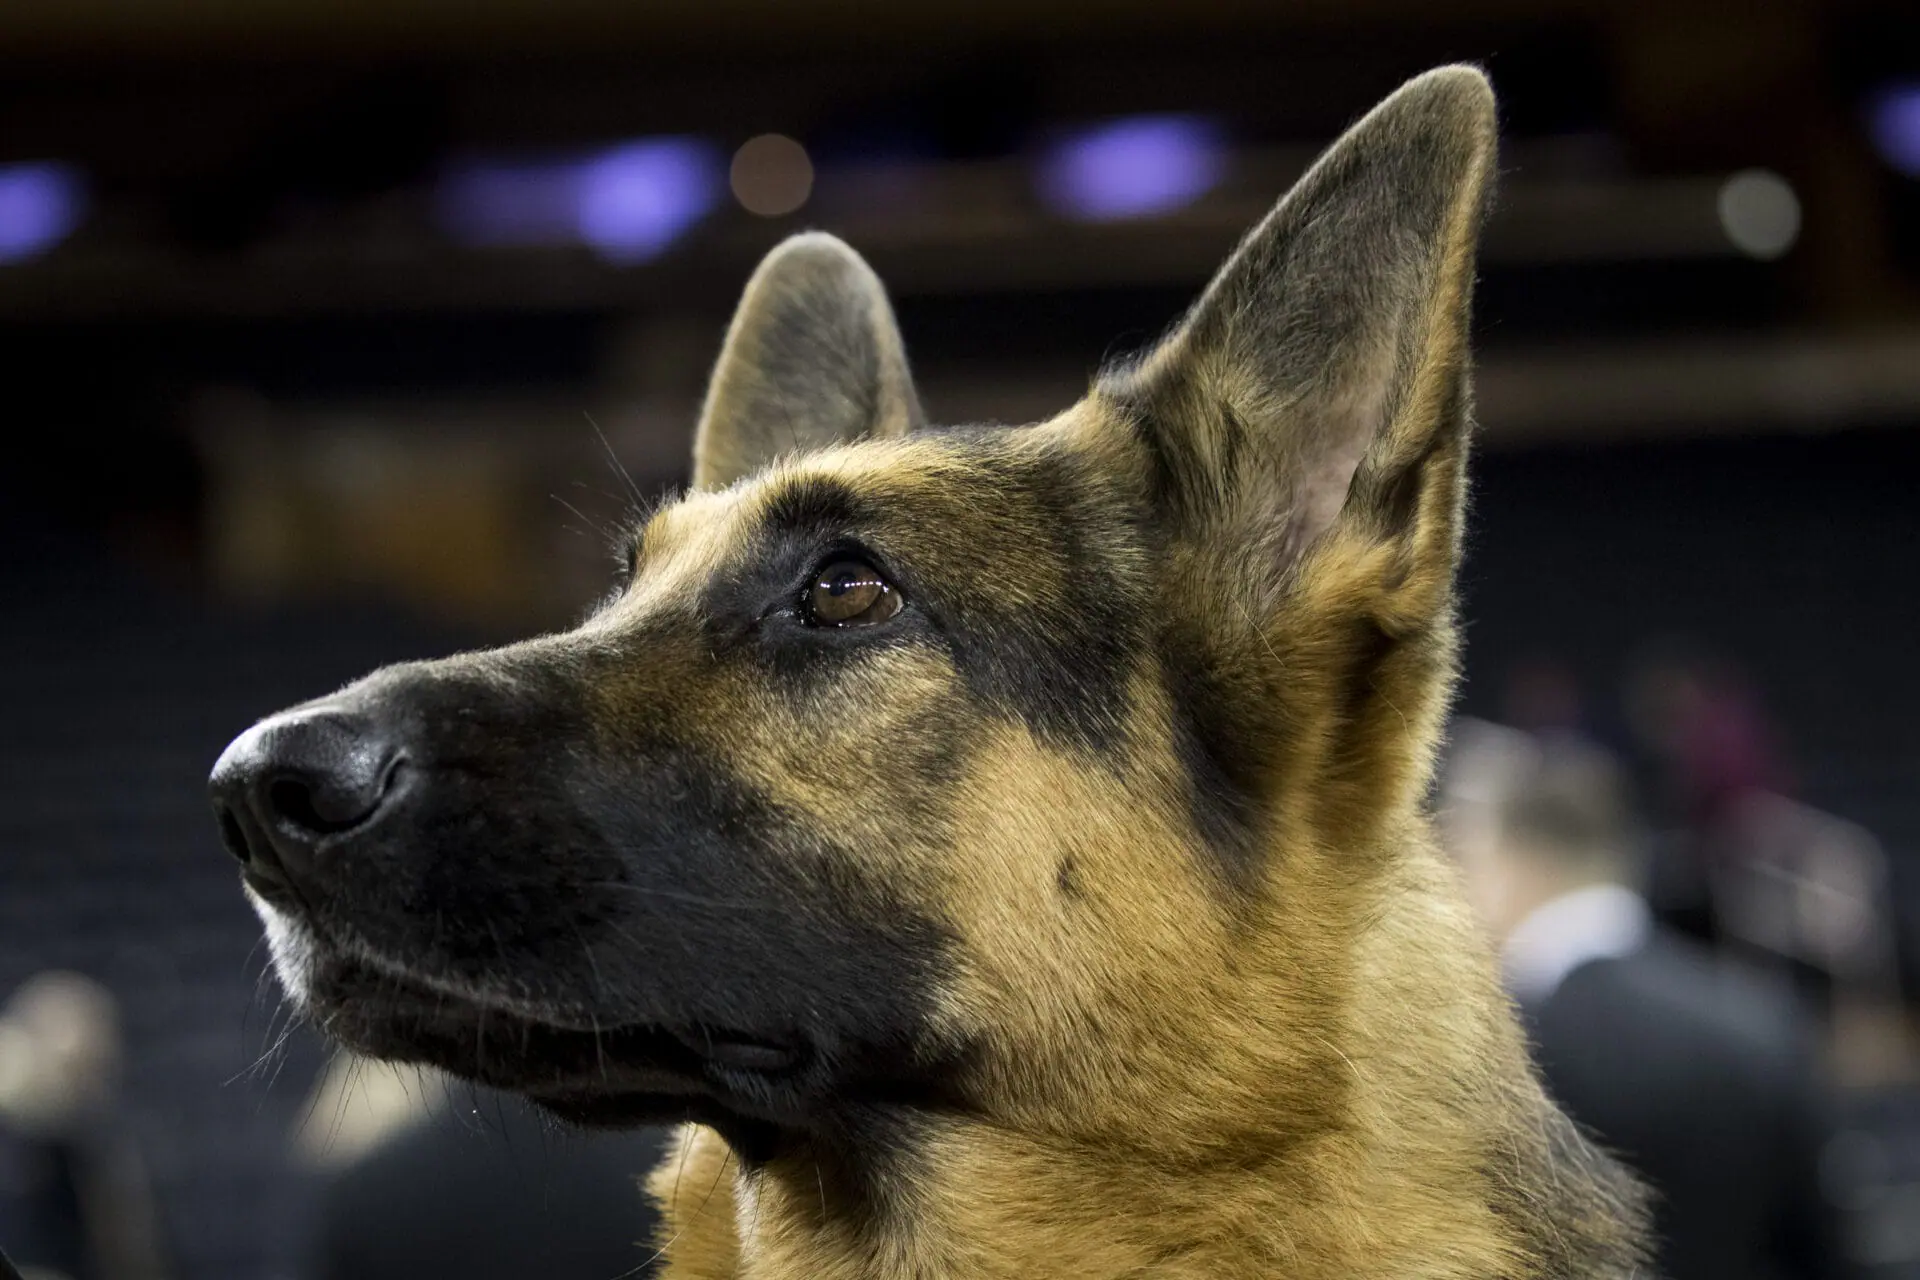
(813, 358)
(1322, 375)
(1305, 432)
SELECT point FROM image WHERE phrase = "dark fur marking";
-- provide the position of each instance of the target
(1397, 502)
(1183, 489)
(1067, 877)
(1167, 462)
(865, 1172)
(815, 503)
(1393, 502)
(1370, 646)
(1219, 745)
(1061, 664)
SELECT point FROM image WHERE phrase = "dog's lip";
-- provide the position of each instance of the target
(558, 1055)
(741, 1052)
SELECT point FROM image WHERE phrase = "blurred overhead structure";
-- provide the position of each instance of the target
(938, 227)
(1702, 223)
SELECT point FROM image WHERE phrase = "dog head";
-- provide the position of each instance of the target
(986, 770)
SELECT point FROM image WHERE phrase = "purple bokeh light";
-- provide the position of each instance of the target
(1894, 119)
(1135, 167)
(40, 205)
(629, 202)
(638, 199)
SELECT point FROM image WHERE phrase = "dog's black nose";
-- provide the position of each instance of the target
(284, 786)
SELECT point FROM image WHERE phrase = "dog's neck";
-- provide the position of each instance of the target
(1000, 1204)
(1392, 1180)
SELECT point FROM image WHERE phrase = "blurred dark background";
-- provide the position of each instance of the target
(320, 323)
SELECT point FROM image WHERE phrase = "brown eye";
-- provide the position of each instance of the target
(850, 593)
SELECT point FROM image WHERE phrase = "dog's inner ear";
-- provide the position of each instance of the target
(813, 358)
(1321, 377)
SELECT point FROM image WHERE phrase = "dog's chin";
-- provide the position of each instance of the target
(611, 1076)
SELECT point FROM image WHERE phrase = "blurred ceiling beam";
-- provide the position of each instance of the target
(1593, 392)
(972, 229)
(1791, 382)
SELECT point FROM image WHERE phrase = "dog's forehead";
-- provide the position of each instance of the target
(882, 476)
(859, 484)
(853, 487)
(696, 522)
(943, 499)
(677, 548)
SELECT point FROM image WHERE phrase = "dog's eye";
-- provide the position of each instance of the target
(850, 593)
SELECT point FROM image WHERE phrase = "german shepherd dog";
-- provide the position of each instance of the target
(1004, 850)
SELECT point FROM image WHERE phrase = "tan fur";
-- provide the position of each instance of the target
(1313, 1075)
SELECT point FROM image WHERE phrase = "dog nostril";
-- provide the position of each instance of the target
(232, 836)
(314, 806)
(297, 780)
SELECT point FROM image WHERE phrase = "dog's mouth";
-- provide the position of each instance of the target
(608, 1077)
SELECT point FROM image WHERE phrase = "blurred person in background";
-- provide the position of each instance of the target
(422, 1177)
(1708, 733)
(1543, 695)
(74, 1197)
(1699, 1076)
(1705, 747)
(1744, 863)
